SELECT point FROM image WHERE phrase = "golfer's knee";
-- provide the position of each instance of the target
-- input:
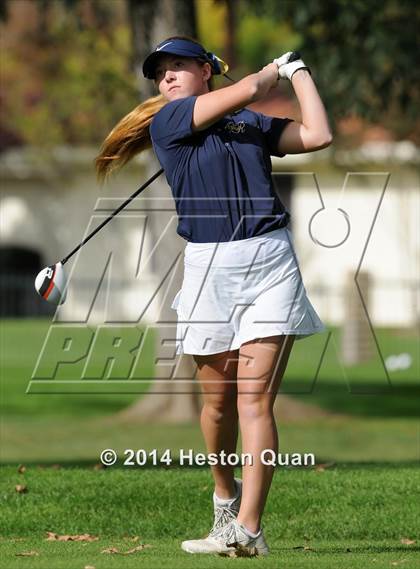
(220, 410)
(254, 405)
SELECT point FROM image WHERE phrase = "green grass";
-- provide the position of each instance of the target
(358, 390)
(339, 509)
(75, 428)
(166, 553)
(352, 515)
(69, 441)
(21, 344)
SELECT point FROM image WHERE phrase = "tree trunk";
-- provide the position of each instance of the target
(231, 7)
(151, 21)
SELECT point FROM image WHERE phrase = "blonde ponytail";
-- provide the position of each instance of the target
(129, 137)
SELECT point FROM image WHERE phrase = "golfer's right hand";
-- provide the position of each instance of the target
(286, 68)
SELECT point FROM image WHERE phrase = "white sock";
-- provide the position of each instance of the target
(227, 500)
(250, 533)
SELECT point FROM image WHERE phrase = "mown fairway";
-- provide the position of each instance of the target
(361, 510)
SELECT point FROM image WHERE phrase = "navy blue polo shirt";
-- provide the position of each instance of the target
(220, 177)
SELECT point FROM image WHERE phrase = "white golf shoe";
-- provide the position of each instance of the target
(226, 510)
(230, 540)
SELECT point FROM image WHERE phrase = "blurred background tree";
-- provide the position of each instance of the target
(65, 70)
(248, 45)
(363, 55)
(69, 68)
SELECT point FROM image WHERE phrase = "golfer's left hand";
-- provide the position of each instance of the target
(287, 69)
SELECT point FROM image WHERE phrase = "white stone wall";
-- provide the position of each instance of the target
(359, 224)
(48, 205)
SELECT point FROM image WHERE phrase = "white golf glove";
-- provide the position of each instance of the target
(288, 63)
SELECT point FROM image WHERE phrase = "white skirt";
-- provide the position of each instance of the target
(236, 291)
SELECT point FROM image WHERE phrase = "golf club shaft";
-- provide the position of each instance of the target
(114, 213)
(294, 56)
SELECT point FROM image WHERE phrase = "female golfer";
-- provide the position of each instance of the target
(242, 302)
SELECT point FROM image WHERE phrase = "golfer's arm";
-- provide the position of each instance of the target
(211, 107)
(313, 133)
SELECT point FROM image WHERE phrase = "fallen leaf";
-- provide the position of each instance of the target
(138, 548)
(323, 466)
(241, 551)
(408, 541)
(21, 468)
(304, 547)
(110, 550)
(129, 552)
(21, 488)
(99, 466)
(27, 553)
(83, 537)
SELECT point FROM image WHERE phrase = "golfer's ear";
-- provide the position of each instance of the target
(297, 139)
(207, 71)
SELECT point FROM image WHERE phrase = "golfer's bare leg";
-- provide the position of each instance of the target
(219, 415)
(258, 383)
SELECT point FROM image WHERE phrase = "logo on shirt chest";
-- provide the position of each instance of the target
(235, 127)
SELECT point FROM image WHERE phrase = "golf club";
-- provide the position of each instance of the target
(51, 282)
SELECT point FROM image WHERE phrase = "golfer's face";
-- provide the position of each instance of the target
(178, 77)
